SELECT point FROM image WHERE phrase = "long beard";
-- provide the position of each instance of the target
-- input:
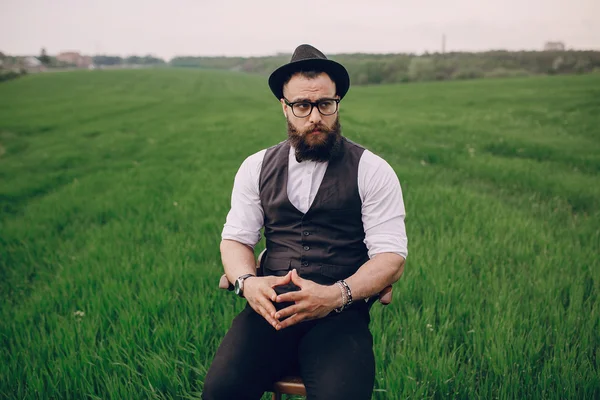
(322, 148)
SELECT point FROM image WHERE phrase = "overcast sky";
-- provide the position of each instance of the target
(255, 27)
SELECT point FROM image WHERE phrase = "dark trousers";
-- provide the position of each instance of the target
(333, 355)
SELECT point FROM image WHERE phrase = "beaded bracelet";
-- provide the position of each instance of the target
(346, 295)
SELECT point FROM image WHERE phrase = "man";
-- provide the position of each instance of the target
(333, 218)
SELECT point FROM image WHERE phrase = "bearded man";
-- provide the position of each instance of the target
(333, 218)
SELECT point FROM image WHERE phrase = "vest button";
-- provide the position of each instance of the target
(306, 233)
(305, 263)
(306, 248)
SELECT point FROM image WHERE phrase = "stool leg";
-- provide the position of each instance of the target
(277, 396)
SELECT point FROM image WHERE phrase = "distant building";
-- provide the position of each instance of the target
(554, 46)
(76, 59)
(31, 62)
(26, 63)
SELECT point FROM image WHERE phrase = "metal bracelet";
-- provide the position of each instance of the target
(344, 297)
(348, 293)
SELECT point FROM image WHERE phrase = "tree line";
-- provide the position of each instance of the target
(394, 68)
(378, 68)
(108, 60)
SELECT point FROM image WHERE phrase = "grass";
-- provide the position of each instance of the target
(114, 186)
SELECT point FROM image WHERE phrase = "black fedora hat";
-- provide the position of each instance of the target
(308, 58)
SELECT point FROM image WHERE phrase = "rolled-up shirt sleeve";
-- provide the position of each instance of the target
(383, 210)
(246, 217)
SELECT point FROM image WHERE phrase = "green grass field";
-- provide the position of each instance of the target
(114, 186)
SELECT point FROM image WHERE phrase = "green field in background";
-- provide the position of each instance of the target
(114, 187)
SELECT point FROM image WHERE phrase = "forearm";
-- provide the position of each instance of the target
(374, 275)
(237, 258)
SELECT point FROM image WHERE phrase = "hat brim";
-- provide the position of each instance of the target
(336, 72)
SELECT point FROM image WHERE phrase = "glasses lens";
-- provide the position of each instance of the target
(301, 109)
(327, 107)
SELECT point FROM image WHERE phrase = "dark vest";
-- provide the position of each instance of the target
(325, 244)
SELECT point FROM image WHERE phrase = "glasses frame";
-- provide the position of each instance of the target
(313, 104)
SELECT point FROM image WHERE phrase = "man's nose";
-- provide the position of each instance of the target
(315, 115)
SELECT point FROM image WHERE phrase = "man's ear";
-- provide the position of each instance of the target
(283, 107)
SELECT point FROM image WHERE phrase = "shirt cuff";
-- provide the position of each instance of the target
(387, 244)
(243, 236)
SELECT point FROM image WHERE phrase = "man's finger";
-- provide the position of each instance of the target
(296, 279)
(272, 321)
(281, 280)
(271, 295)
(293, 320)
(286, 312)
(260, 310)
(268, 306)
(267, 316)
(290, 296)
(266, 294)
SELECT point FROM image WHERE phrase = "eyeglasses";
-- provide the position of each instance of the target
(302, 109)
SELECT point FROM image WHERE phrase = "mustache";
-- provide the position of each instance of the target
(318, 127)
(322, 128)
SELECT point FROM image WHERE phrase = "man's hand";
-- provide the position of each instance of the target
(312, 301)
(260, 294)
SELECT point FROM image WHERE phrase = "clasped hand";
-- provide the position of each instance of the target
(312, 301)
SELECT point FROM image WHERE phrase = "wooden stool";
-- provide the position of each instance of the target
(288, 385)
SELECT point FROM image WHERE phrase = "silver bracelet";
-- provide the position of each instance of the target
(344, 299)
(346, 295)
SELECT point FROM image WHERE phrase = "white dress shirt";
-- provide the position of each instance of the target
(378, 186)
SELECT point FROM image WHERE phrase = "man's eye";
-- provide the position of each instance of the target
(303, 106)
